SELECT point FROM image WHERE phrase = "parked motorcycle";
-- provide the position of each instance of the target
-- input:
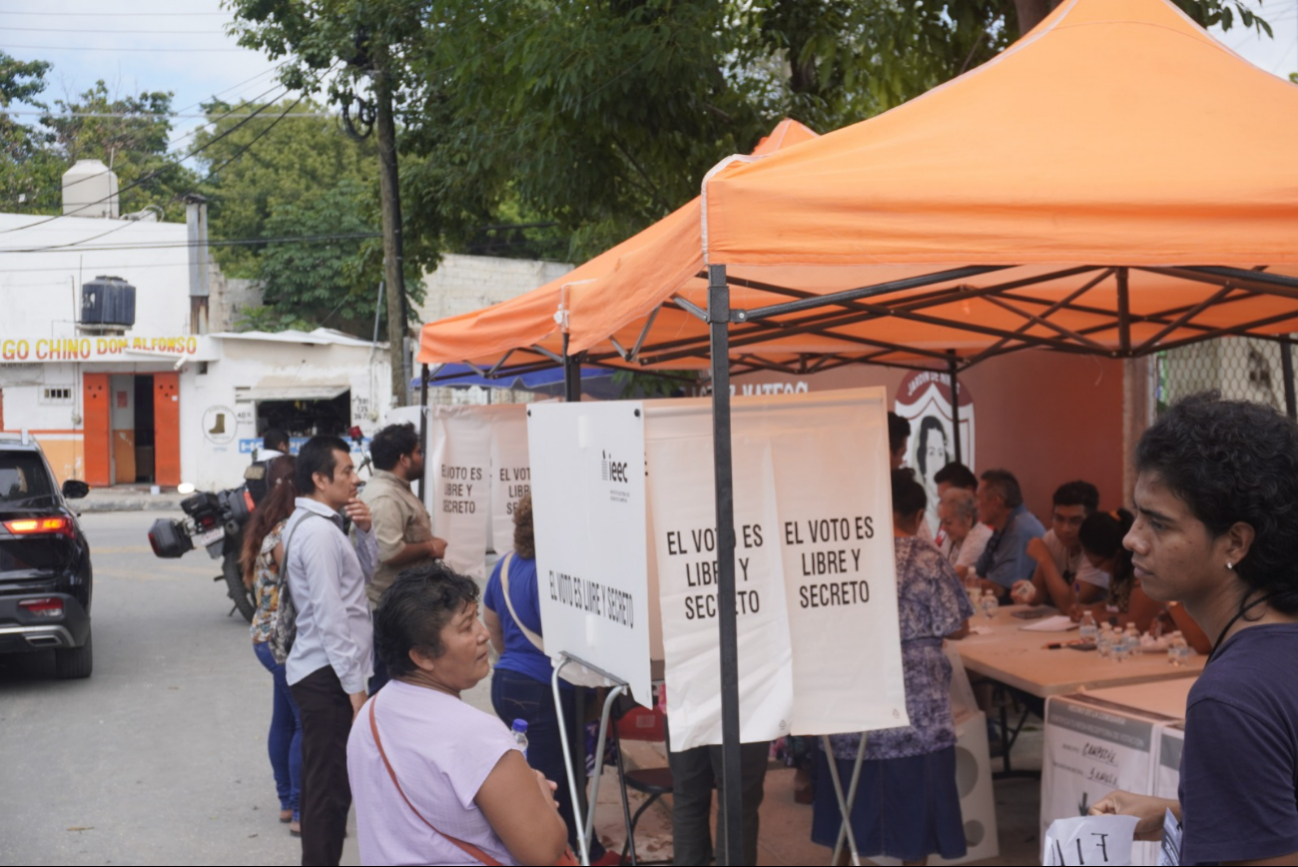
(214, 521)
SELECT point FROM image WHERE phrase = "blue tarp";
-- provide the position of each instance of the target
(463, 376)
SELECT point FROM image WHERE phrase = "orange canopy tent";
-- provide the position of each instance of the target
(1115, 182)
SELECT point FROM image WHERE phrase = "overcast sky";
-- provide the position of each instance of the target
(130, 45)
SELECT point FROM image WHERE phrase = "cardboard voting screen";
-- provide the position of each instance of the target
(816, 595)
(588, 506)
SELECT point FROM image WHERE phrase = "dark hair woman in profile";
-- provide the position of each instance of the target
(261, 558)
(1216, 529)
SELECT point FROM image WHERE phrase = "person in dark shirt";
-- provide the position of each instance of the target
(1217, 530)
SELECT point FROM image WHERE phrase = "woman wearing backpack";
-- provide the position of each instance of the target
(520, 684)
(261, 558)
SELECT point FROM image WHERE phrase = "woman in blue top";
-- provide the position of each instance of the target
(1217, 530)
(907, 804)
(520, 685)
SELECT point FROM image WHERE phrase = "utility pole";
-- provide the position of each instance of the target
(390, 200)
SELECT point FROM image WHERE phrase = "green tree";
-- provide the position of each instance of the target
(257, 165)
(130, 135)
(27, 167)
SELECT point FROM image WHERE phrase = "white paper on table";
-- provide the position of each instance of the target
(1058, 623)
(1089, 840)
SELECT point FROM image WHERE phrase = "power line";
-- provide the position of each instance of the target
(111, 14)
(144, 116)
(179, 245)
(154, 174)
(240, 152)
(105, 32)
(92, 48)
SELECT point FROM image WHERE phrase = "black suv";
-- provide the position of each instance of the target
(45, 578)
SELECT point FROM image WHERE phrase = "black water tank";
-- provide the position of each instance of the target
(108, 301)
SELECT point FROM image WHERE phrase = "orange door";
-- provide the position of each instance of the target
(166, 428)
(96, 429)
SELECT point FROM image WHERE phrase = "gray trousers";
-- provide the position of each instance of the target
(695, 773)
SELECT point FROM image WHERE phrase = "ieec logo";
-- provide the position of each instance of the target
(611, 470)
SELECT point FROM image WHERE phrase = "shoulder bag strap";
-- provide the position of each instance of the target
(537, 641)
(468, 848)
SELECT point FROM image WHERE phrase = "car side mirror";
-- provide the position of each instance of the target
(75, 489)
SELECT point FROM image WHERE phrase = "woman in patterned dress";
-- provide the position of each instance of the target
(261, 557)
(907, 805)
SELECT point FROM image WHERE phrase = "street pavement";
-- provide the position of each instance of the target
(160, 756)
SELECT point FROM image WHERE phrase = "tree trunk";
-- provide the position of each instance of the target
(1032, 12)
(390, 199)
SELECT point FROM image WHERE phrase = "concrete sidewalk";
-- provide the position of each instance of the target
(128, 498)
(785, 836)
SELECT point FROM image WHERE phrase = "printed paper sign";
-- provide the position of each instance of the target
(477, 470)
(1091, 750)
(511, 473)
(815, 577)
(588, 500)
(684, 521)
(458, 485)
(1090, 840)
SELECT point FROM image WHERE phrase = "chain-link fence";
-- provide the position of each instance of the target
(1239, 367)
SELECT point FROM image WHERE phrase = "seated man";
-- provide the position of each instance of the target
(1064, 576)
(963, 538)
(1005, 559)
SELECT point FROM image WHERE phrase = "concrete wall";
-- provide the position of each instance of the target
(1047, 417)
(462, 284)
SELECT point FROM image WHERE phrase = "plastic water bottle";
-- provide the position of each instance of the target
(1121, 647)
(1132, 640)
(1087, 630)
(520, 735)
(1177, 649)
(990, 604)
(1104, 641)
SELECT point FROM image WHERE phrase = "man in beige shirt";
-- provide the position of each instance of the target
(401, 523)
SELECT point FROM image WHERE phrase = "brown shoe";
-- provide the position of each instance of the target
(286, 816)
(295, 828)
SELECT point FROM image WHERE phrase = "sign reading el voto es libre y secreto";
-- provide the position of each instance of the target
(477, 471)
(588, 512)
(818, 636)
(816, 598)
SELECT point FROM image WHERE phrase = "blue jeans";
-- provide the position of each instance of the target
(517, 696)
(284, 743)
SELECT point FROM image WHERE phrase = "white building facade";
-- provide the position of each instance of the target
(156, 400)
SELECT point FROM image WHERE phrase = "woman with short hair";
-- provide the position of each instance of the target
(1216, 529)
(434, 779)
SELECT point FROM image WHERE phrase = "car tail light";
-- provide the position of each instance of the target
(41, 526)
(48, 607)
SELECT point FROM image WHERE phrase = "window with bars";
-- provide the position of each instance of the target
(56, 394)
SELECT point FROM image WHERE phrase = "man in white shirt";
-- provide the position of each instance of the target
(331, 659)
(1064, 577)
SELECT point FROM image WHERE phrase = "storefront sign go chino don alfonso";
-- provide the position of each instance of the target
(27, 349)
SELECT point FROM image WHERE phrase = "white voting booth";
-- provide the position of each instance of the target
(626, 550)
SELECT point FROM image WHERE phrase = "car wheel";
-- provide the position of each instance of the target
(74, 662)
(239, 593)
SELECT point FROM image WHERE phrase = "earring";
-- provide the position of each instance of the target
(1230, 566)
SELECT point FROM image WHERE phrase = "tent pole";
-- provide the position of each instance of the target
(1286, 365)
(571, 374)
(954, 370)
(423, 425)
(731, 821)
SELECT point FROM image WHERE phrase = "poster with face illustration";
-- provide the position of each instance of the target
(924, 399)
